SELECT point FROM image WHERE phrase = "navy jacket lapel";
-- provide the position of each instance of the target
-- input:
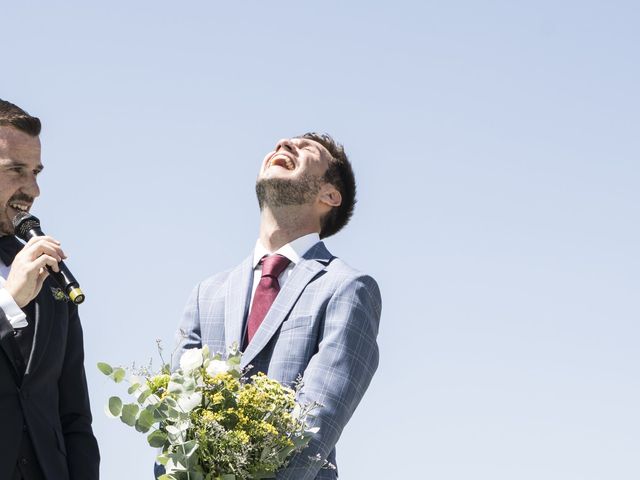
(237, 301)
(44, 318)
(8, 343)
(312, 263)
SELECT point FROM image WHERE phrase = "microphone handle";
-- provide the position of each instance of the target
(64, 278)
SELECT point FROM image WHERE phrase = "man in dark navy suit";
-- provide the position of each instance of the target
(44, 403)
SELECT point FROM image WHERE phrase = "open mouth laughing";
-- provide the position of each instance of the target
(283, 161)
(19, 205)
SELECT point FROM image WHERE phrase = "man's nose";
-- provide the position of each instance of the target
(31, 187)
(286, 144)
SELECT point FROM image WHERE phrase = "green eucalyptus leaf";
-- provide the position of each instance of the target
(284, 453)
(169, 412)
(145, 421)
(301, 441)
(118, 374)
(133, 388)
(173, 414)
(177, 435)
(163, 458)
(189, 387)
(234, 360)
(144, 395)
(160, 411)
(157, 439)
(153, 400)
(190, 448)
(177, 462)
(115, 406)
(174, 430)
(105, 368)
(129, 414)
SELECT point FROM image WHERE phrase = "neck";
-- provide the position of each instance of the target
(279, 226)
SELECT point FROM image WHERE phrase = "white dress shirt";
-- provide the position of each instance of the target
(12, 311)
(293, 251)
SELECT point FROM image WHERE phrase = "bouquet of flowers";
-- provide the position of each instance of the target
(211, 422)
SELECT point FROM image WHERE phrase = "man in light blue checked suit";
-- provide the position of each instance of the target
(324, 320)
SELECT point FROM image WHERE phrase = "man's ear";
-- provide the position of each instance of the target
(329, 195)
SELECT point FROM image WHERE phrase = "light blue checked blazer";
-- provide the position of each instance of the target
(322, 325)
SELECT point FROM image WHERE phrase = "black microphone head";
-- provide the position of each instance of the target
(23, 222)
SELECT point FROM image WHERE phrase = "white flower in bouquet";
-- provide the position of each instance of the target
(191, 360)
(217, 366)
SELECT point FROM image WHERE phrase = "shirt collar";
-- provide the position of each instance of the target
(293, 250)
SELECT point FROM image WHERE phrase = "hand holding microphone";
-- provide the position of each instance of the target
(39, 254)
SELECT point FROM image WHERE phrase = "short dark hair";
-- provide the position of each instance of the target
(340, 175)
(13, 116)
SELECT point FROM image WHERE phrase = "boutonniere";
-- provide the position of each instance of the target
(59, 294)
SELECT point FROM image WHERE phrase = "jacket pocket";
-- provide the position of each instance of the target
(297, 322)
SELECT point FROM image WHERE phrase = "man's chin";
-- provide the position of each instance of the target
(6, 228)
(278, 192)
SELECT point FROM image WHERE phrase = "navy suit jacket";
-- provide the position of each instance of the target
(51, 399)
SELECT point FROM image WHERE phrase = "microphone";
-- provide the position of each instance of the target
(26, 226)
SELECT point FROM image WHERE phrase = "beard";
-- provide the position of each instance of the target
(6, 219)
(6, 226)
(279, 192)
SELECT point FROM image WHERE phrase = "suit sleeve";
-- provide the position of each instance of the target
(340, 372)
(188, 335)
(83, 457)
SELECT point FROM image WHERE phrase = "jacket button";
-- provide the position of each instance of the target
(24, 427)
(23, 461)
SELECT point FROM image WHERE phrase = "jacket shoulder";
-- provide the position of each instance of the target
(343, 272)
(215, 280)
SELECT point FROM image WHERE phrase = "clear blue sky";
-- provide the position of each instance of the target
(497, 152)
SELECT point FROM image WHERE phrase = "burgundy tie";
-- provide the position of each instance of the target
(267, 291)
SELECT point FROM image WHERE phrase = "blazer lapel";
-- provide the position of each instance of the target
(311, 264)
(236, 301)
(9, 345)
(44, 319)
